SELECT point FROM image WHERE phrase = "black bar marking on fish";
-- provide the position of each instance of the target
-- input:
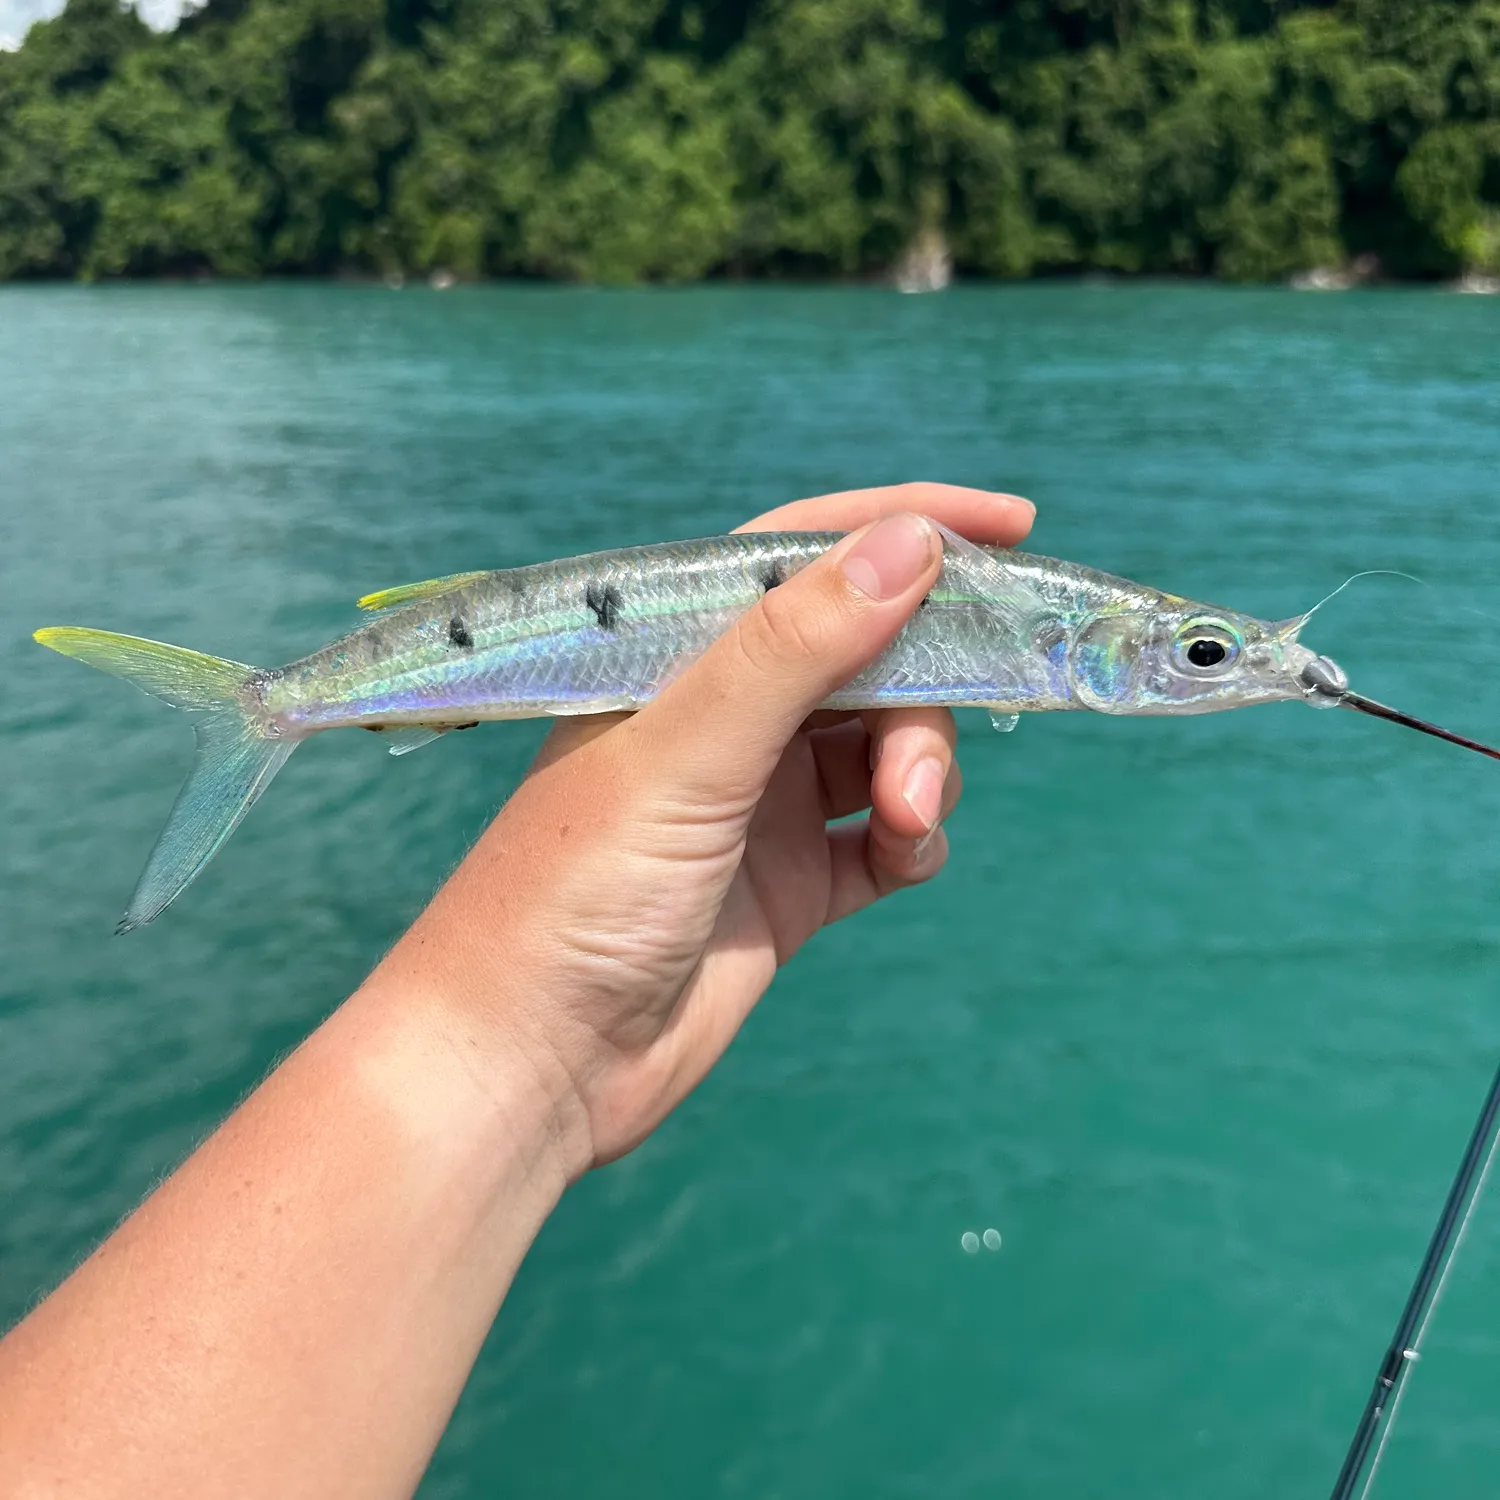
(458, 633)
(771, 577)
(604, 601)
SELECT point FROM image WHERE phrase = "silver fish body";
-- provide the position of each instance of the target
(1003, 630)
(1000, 629)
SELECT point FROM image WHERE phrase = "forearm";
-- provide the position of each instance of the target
(295, 1310)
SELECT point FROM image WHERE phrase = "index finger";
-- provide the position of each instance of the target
(980, 515)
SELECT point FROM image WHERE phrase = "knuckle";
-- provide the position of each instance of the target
(894, 873)
(918, 732)
(786, 627)
(932, 732)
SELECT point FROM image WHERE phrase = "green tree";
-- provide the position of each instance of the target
(623, 140)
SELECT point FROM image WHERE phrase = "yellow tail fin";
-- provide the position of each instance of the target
(234, 762)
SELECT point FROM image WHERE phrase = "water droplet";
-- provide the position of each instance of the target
(970, 1242)
(992, 1239)
(1004, 723)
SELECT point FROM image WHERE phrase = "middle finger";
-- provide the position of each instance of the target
(911, 756)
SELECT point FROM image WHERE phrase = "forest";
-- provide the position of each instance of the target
(639, 140)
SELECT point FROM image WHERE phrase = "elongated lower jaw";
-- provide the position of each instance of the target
(1327, 682)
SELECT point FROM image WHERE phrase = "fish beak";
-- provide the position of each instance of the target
(1327, 686)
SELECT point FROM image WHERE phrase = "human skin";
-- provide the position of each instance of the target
(294, 1311)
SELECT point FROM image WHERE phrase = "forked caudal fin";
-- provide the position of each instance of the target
(232, 765)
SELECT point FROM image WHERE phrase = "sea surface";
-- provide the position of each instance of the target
(1196, 1020)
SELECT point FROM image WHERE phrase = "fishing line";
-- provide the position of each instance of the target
(1468, 609)
(1384, 1402)
(1354, 578)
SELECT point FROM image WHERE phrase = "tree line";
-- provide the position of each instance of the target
(625, 140)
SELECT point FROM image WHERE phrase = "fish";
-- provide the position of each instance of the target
(1001, 630)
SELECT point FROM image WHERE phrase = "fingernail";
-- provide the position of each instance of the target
(923, 791)
(890, 556)
(930, 848)
(1021, 500)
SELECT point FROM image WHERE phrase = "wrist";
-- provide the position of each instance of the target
(485, 1060)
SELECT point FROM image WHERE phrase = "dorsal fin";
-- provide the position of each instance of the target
(404, 593)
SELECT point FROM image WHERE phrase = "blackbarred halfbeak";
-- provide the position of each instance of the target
(1328, 687)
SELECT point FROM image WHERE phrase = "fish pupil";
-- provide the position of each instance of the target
(1206, 653)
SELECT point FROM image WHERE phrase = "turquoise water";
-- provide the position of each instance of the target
(1197, 1019)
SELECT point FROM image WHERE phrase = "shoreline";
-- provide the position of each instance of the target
(1321, 281)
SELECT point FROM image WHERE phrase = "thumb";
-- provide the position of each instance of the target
(724, 723)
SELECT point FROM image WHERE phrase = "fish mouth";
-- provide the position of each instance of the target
(1325, 685)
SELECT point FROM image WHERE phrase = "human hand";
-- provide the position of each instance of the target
(631, 902)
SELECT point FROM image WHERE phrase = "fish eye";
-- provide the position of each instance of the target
(1204, 646)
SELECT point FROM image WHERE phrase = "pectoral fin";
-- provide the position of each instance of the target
(1003, 588)
(402, 739)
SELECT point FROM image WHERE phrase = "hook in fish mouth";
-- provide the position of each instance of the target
(1328, 687)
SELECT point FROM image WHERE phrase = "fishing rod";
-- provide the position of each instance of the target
(1328, 684)
(1379, 1416)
